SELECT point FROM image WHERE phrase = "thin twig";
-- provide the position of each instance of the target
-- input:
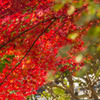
(27, 52)
(25, 31)
(64, 16)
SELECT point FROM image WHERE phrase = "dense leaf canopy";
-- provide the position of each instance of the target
(33, 34)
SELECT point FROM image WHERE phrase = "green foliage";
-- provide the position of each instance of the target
(98, 73)
(78, 4)
(59, 4)
(57, 7)
(58, 93)
(61, 94)
(82, 72)
(2, 66)
(4, 61)
(94, 32)
(46, 94)
(85, 18)
(63, 51)
(9, 56)
(72, 36)
(92, 14)
(66, 72)
(57, 75)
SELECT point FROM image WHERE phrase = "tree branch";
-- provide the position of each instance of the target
(64, 16)
(25, 31)
(27, 52)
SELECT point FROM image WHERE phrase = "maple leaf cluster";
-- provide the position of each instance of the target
(31, 35)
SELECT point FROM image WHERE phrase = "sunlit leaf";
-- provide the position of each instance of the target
(71, 10)
(73, 36)
(79, 58)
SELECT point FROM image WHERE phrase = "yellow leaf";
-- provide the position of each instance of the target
(79, 58)
(72, 36)
(71, 10)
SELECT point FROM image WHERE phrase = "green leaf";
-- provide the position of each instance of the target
(2, 67)
(98, 48)
(98, 73)
(57, 7)
(9, 56)
(11, 92)
(72, 36)
(66, 72)
(5, 61)
(58, 91)
(82, 72)
(78, 4)
(63, 51)
(59, 4)
(94, 31)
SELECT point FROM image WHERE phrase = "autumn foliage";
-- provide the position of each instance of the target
(32, 32)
